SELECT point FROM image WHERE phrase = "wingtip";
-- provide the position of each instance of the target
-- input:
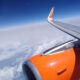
(53, 7)
(50, 17)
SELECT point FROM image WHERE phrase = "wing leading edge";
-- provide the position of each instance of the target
(65, 29)
(73, 32)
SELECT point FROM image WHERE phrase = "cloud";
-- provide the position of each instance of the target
(73, 21)
(7, 73)
(22, 43)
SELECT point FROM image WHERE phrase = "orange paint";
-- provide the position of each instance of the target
(58, 66)
(51, 13)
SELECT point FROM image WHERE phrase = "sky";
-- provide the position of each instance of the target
(24, 12)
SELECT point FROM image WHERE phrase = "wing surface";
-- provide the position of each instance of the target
(67, 28)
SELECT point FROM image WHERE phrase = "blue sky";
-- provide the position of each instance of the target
(23, 12)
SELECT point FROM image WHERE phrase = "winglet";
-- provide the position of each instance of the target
(50, 17)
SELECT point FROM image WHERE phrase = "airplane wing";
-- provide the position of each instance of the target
(67, 28)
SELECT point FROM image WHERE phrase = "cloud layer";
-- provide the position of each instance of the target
(19, 44)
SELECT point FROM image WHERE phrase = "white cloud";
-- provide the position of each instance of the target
(7, 73)
(17, 45)
(73, 21)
